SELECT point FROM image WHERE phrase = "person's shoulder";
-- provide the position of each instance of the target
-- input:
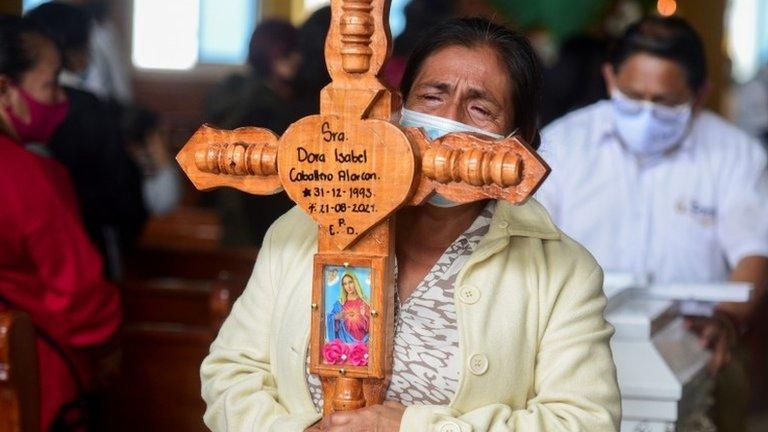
(23, 176)
(719, 138)
(576, 129)
(294, 228)
(570, 266)
(533, 220)
(581, 118)
(16, 161)
(557, 259)
(234, 83)
(79, 97)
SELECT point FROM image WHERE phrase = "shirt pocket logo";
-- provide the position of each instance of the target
(702, 214)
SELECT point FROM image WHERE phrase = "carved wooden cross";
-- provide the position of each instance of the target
(350, 168)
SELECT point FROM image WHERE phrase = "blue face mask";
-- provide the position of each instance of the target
(648, 128)
(436, 127)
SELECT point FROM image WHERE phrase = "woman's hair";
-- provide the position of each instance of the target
(515, 52)
(671, 38)
(271, 40)
(67, 25)
(358, 288)
(16, 51)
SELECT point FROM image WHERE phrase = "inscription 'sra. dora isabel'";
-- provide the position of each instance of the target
(350, 169)
(346, 174)
(336, 179)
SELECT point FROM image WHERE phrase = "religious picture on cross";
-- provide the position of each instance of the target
(347, 312)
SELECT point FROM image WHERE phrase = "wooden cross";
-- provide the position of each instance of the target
(350, 168)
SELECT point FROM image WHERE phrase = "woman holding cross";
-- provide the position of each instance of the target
(499, 314)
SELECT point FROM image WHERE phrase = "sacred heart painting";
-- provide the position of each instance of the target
(347, 312)
(348, 328)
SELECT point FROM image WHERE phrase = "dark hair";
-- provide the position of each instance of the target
(420, 16)
(16, 54)
(671, 38)
(99, 9)
(515, 52)
(67, 25)
(313, 73)
(137, 122)
(271, 40)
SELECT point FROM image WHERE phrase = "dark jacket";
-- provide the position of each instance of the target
(107, 181)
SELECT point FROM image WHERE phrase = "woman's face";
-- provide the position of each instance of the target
(468, 85)
(348, 284)
(40, 82)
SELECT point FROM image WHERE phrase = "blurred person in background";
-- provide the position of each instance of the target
(253, 98)
(147, 143)
(573, 75)
(750, 105)
(655, 185)
(574, 79)
(89, 143)
(420, 16)
(48, 267)
(107, 75)
(312, 75)
(256, 98)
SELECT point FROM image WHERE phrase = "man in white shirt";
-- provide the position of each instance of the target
(653, 184)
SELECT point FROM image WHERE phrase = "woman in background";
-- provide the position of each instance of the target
(147, 142)
(256, 98)
(48, 267)
(88, 143)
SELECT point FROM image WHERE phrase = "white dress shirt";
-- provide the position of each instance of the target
(688, 216)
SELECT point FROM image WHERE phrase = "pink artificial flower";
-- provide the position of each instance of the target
(336, 352)
(358, 354)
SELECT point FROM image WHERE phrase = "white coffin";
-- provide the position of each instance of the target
(661, 367)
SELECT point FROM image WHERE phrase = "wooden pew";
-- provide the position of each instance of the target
(19, 379)
(207, 264)
(169, 326)
(189, 228)
(178, 288)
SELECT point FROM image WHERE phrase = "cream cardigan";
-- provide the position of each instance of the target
(532, 337)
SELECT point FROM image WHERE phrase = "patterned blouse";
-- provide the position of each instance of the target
(426, 366)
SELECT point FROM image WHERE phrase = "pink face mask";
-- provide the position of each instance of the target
(43, 119)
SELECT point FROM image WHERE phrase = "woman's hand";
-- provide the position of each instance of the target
(716, 334)
(376, 418)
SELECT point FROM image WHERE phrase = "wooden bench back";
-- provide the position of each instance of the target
(169, 325)
(19, 379)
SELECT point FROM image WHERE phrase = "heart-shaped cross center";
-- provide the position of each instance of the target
(348, 175)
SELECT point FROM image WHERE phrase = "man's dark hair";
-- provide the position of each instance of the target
(514, 51)
(67, 25)
(16, 54)
(670, 38)
(271, 40)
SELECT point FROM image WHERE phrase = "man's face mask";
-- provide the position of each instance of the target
(436, 127)
(648, 128)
